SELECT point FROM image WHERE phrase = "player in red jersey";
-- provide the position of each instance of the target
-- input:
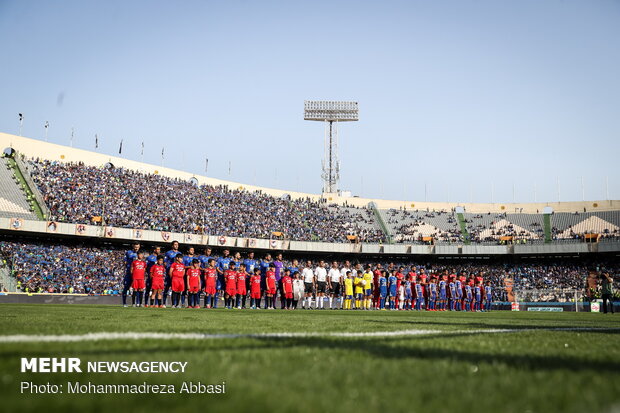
(158, 274)
(271, 287)
(400, 276)
(241, 286)
(138, 268)
(287, 289)
(192, 280)
(230, 278)
(412, 274)
(177, 275)
(210, 283)
(255, 282)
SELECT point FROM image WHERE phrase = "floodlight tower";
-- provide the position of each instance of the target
(331, 112)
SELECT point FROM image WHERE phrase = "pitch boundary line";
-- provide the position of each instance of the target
(106, 336)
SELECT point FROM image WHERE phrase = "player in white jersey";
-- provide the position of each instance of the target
(307, 274)
(334, 281)
(321, 284)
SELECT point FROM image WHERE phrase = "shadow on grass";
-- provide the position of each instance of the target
(385, 349)
(416, 347)
(491, 324)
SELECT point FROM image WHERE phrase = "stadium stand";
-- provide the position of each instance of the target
(358, 221)
(413, 226)
(129, 199)
(13, 202)
(573, 226)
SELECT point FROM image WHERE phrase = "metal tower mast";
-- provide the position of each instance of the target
(331, 112)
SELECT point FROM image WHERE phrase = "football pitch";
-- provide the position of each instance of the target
(313, 360)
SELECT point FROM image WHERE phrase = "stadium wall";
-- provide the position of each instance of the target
(45, 150)
(17, 226)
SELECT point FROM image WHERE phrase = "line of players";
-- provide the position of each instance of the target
(234, 279)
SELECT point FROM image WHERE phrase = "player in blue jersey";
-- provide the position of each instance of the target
(150, 261)
(293, 268)
(419, 295)
(169, 259)
(205, 257)
(458, 285)
(468, 297)
(432, 294)
(488, 296)
(130, 256)
(477, 297)
(237, 259)
(250, 263)
(408, 292)
(443, 293)
(222, 264)
(452, 294)
(393, 290)
(383, 289)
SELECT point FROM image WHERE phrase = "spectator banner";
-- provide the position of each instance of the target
(52, 226)
(203, 240)
(80, 229)
(109, 232)
(190, 238)
(258, 243)
(275, 244)
(137, 233)
(222, 240)
(16, 223)
(165, 236)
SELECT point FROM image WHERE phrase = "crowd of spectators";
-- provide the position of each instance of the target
(414, 226)
(55, 268)
(124, 198)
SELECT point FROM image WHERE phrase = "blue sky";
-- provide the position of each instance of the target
(456, 96)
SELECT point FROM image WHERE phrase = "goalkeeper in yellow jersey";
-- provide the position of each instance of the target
(368, 288)
(348, 290)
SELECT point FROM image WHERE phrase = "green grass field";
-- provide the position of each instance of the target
(460, 366)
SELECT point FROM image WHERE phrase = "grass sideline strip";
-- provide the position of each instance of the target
(23, 338)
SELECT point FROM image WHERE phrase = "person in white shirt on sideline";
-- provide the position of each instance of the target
(334, 280)
(307, 275)
(321, 284)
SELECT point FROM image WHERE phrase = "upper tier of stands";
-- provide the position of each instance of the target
(13, 202)
(411, 226)
(129, 199)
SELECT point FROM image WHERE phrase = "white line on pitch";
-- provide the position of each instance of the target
(23, 338)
